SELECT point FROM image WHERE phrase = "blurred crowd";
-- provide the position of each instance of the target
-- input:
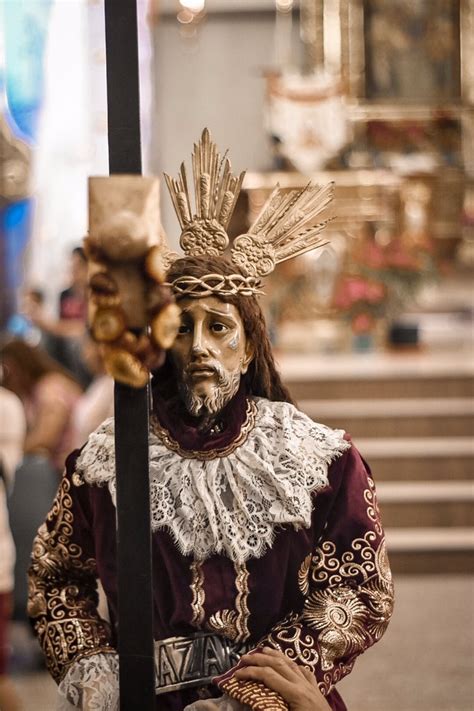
(54, 392)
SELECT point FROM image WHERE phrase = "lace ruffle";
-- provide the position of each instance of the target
(91, 683)
(234, 504)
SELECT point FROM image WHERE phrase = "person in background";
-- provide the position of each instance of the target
(49, 394)
(19, 324)
(73, 300)
(96, 404)
(67, 330)
(12, 433)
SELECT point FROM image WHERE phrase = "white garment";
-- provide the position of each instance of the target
(232, 504)
(92, 684)
(94, 406)
(12, 436)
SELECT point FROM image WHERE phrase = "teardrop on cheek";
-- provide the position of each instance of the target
(234, 342)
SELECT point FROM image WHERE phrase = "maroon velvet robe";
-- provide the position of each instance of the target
(322, 594)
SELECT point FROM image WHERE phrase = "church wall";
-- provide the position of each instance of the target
(214, 80)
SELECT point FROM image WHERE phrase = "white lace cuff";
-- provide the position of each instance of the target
(91, 683)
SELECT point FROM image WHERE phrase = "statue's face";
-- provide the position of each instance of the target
(210, 354)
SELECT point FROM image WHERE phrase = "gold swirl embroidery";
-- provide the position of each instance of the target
(171, 444)
(78, 479)
(352, 610)
(303, 574)
(224, 622)
(301, 647)
(254, 694)
(242, 585)
(373, 511)
(335, 570)
(347, 608)
(64, 615)
(197, 588)
(234, 623)
(340, 616)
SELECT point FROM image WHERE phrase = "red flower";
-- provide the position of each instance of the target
(363, 323)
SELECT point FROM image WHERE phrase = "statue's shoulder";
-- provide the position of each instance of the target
(284, 421)
(96, 462)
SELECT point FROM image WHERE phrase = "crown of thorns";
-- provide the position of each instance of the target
(212, 284)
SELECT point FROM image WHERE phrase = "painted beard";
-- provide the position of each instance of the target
(223, 391)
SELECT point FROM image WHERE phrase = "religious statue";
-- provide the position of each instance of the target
(270, 569)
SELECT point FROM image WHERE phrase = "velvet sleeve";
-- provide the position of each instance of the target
(62, 599)
(347, 588)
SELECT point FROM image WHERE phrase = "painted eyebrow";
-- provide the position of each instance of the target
(210, 310)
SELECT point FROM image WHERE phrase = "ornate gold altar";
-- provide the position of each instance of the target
(395, 81)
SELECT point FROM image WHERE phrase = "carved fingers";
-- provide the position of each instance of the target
(295, 684)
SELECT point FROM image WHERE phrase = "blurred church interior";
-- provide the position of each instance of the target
(374, 331)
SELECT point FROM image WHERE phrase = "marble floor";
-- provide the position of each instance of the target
(424, 662)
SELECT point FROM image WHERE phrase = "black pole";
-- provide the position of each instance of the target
(135, 597)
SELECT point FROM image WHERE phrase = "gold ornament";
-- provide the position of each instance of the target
(287, 226)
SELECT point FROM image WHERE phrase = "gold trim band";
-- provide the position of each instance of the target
(166, 439)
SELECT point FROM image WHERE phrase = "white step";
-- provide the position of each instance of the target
(415, 447)
(393, 408)
(404, 540)
(424, 491)
(376, 366)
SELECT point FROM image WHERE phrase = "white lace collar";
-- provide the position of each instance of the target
(233, 504)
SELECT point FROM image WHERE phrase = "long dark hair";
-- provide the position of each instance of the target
(33, 361)
(262, 378)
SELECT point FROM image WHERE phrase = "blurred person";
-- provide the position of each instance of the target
(34, 299)
(12, 433)
(73, 300)
(72, 307)
(96, 404)
(19, 325)
(68, 328)
(49, 394)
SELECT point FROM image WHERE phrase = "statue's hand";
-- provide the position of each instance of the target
(295, 684)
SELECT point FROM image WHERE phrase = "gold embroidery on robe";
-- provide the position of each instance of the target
(224, 622)
(197, 588)
(64, 613)
(206, 455)
(233, 624)
(255, 694)
(348, 603)
(354, 608)
(303, 574)
(291, 632)
(242, 585)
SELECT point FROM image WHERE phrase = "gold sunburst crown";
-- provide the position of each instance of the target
(288, 225)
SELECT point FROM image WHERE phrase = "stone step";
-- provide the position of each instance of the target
(409, 417)
(418, 458)
(430, 550)
(426, 504)
(379, 375)
(396, 387)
